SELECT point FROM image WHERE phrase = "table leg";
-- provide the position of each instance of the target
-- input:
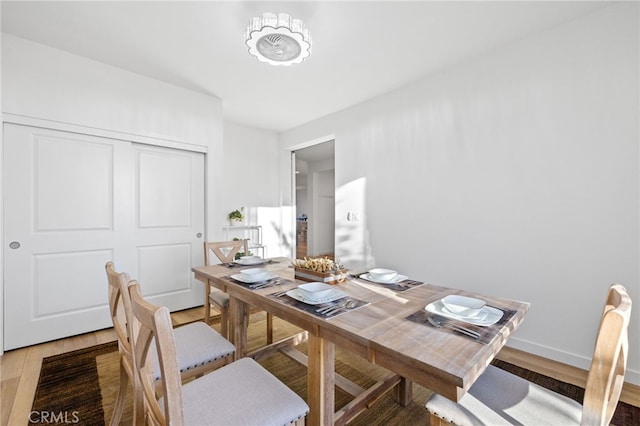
(238, 323)
(207, 302)
(321, 381)
(403, 392)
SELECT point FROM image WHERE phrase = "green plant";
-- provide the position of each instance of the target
(237, 215)
(241, 253)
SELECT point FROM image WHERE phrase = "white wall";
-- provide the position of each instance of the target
(515, 174)
(252, 180)
(49, 83)
(1, 210)
(56, 89)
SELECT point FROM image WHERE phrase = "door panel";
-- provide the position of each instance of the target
(164, 189)
(53, 284)
(162, 269)
(170, 215)
(72, 203)
(73, 184)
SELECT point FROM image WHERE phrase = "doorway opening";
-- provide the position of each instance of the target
(314, 181)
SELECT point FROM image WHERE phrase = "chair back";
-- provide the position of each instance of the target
(120, 309)
(606, 375)
(155, 333)
(225, 251)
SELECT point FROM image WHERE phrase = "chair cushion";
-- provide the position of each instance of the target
(219, 297)
(196, 344)
(241, 393)
(501, 398)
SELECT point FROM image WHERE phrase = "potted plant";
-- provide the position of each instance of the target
(236, 217)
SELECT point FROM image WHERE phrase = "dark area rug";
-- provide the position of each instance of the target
(69, 385)
(68, 389)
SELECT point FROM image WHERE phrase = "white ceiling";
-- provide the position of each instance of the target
(360, 49)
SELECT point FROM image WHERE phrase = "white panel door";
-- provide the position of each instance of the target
(169, 224)
(72, 203)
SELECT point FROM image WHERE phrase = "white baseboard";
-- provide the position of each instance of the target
(632, 375)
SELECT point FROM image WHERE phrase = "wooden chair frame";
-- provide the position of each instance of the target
(235, 247)
(124, 326)
(153, 327)
(120, 309)
(216, 248)
(147, 316)
(609, 363)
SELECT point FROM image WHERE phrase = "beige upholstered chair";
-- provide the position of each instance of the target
(226, 252)
(240, 393)
(499, 397)
(200, 348)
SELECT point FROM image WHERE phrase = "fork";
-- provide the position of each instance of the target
(332, 306)
(265, 284)
(459, 329)
(347, 304)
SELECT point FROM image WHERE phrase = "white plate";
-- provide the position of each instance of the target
(395, 279)
(249, 280)
(487, 315)
(334, 295)
(247, 262)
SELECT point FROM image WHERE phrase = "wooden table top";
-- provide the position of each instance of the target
(445, 362)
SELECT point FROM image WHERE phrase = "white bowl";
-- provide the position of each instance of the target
(315, 290)
(255, 273)
(249, 260)
(382, 274)
(463, 305)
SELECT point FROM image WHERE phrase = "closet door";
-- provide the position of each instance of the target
(73, 202)
(168, 225)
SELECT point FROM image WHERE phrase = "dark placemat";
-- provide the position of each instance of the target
(240, 266)
(487, 333)
(398, 287)
(273, 282)
(312, 309)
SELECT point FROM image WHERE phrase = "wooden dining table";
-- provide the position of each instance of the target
(388, 328)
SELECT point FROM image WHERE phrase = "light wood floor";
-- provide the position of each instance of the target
(20, 368)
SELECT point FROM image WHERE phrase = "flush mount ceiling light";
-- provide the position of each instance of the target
(278, 39)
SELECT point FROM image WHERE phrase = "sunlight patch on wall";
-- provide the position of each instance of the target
(352, 236)
(278, 236)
